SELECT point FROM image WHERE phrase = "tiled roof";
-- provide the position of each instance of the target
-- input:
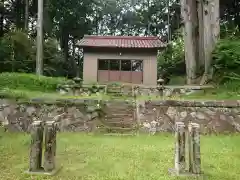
(121, 42)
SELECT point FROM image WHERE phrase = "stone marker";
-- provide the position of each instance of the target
(50, 146)
(195, 162)
(48, 167)
(187, 150)
(36, 147)
(179, 147)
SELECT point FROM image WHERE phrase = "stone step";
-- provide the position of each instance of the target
(121, 112)
(120, 134)
(118, 119)
(119, 122)
(118, 125)
(110, 115)
(116, 129)
(119, 106)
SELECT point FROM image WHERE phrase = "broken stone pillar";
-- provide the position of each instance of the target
(50, 146)
(48, 166)
(195, 157)
(36, 147)
(187, 150)
(180, 147)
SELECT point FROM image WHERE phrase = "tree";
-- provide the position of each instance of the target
(26, 15)
(201, 32)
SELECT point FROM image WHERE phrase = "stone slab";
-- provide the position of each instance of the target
(173, 172)
(42, 172)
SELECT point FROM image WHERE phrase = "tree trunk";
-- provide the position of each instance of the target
(26, 15)
(1, 18)
(195, 35)
(216, 22)
(208, 40)
(39, 59)
(65, 46)
(187, 8)
(168, 19)
(76, 66)
(201, 60)
(19, 17)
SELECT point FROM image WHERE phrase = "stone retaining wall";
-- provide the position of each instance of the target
(213, 116)
(80, 115)
(147, 116)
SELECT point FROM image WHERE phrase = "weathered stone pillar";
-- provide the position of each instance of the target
(180, 147)
(50, 146)
(36, 147)
(187, 150)
(195, 160)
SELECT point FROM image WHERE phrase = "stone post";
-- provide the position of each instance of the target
(187, 150)
(50, 146)
(195, 162)
(179, 147)
(36, 147)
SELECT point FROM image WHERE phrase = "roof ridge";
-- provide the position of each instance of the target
(122, 37)
(122, 41)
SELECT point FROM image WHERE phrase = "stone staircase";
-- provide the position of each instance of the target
(119, 118)
(119, 90)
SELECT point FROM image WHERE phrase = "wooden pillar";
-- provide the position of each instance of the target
(50, 146)
(36, 147)
(179, 147)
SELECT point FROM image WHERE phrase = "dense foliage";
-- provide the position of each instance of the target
(227, 59)
(18, 54)
(171, 60)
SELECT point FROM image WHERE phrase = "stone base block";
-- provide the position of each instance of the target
(42, 172)
(173, 172)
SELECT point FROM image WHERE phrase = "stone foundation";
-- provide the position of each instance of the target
(113, 116)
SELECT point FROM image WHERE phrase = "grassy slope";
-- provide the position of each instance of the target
(89, 157)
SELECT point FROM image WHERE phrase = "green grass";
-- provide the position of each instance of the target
(31, 82)
(28, 94)
(98, 157)
(229, 91)
(212, 94)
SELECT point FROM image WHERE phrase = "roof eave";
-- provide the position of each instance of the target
(85, 46)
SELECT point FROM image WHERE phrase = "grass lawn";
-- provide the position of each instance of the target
(98, 157)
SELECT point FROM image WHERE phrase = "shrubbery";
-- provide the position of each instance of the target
(30, 82)
(171, 60)
(226, 60)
